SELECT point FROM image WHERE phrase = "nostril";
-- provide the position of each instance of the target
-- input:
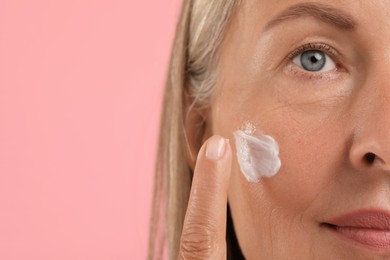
(369, 158)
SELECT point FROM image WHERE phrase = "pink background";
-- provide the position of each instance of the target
(80, 93)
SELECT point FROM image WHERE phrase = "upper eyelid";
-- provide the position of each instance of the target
(314, 46)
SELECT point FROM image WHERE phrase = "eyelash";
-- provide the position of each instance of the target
(314, 46)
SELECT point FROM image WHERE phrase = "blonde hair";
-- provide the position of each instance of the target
(193, 74)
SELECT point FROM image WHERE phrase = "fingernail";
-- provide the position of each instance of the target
(215, 148)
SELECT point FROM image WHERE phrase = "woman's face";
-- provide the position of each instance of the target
(315, 76)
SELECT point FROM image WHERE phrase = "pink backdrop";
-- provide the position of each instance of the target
(80, 92)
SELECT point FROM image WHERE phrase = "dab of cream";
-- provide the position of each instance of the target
(258, 156)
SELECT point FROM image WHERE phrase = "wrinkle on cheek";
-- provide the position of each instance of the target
(311, 110)
(278, 221)
(273, 235)
(312, 203)
(311, 174)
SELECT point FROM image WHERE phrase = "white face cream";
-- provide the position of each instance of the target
(257, 155)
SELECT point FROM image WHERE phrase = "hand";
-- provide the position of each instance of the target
(204, 230)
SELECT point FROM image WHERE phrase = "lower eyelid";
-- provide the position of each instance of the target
(301, 74)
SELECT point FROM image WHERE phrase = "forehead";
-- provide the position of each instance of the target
(368, 11)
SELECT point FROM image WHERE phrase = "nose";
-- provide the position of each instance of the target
(370, 155)
(370, 147)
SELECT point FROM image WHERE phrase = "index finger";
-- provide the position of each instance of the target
(204, 230)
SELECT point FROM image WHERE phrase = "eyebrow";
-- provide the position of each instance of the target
(322, 12)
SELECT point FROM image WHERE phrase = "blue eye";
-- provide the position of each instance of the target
(314, 61)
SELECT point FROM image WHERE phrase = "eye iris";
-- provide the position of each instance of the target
(313, 60)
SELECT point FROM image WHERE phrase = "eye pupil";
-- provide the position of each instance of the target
(313, 60)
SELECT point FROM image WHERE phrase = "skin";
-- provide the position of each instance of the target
(324, 122)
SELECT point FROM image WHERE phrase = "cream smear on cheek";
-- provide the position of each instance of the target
(257, 154)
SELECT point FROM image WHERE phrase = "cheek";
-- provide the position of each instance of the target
(311, 149)
(275, 208)
(311, 156)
